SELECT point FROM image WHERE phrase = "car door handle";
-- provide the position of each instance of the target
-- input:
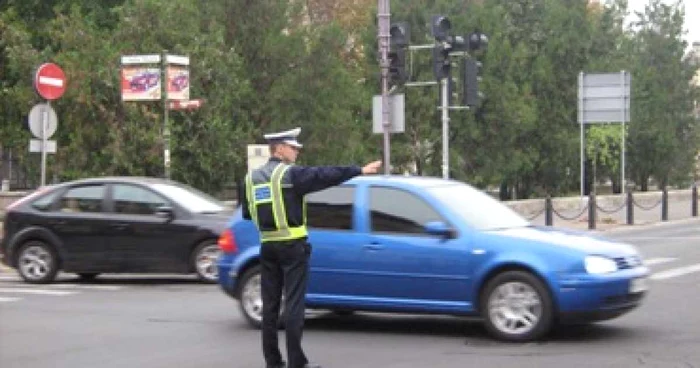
(373, 247)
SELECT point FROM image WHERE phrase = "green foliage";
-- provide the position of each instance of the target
(267, 65)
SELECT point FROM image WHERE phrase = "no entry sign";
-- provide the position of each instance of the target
(50, 81)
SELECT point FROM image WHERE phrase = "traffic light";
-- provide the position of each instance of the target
(400, 38)
(441, 61)
(470, 71)
(397, 67)
(400, 35)
(477, 41)
(440, 28)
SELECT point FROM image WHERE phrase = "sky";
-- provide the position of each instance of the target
(692, 16)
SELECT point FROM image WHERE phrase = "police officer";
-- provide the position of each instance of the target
(274, 200)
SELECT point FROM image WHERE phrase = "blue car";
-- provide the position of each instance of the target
(425, 245)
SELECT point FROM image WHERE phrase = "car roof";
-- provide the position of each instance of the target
(120, 179)
(405, 180)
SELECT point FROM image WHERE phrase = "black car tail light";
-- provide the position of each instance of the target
(227, 242)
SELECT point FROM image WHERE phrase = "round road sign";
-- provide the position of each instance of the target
(40, 114)
(50, 81)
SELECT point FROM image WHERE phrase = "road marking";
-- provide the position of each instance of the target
(655, 261)
(86, 287)
(36, 291)
(675, 272)
(9, 277)
(4, 299)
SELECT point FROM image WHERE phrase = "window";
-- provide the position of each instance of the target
(190, 198)
(133, 200)
(398, 211)
(82, 199)
(331, 208)
(44, 202)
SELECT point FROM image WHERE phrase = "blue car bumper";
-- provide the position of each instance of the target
(585, 298)
(227, 275)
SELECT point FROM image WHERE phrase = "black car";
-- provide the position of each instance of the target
(114, 225)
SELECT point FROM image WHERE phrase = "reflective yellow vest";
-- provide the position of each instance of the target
(264, 191)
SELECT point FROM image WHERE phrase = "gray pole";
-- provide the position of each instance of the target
(580, 123)
(44, 122)
(624, 119)
(166, 126)
(383, 16)
(445, 129)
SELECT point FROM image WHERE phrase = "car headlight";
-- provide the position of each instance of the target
(599, 265)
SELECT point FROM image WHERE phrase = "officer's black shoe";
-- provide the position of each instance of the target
(278, 365)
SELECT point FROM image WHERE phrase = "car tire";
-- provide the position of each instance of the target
(516, 306)
(37, 262)
(250, 298)
(203, 261)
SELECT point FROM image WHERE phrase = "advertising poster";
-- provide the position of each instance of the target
(178, 82)
(140, 83)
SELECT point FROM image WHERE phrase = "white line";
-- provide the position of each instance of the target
(36, 291)
(56, 82)
(655, 261)
(86, 287)
(675, 272)
(9, 277)
(3, 299)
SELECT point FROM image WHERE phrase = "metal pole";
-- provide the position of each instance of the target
(166, 126)
(580, 123)
(624, 119)
(445, 128)
(383, 16)
(44, 122)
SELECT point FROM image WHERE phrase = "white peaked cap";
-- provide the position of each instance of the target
(287, 137)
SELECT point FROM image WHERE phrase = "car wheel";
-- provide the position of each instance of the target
(517, 306)
(204, 260)
(250, 298)
(37, 262)
(87, 276)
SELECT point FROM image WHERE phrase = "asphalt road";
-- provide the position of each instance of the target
(122, 321)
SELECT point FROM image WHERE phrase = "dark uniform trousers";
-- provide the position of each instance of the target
(285, 266)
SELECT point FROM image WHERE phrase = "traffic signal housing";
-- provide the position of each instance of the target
(471, 70)
(400, 38)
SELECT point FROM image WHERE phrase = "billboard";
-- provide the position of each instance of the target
(140, 83)
(178, 77)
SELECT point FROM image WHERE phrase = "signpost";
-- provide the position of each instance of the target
(50, 82)
(604, 98)
(169, 82)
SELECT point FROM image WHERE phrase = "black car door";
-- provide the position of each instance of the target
(148, 241)
(78, 219)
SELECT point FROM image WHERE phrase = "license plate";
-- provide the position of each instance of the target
(639, 285)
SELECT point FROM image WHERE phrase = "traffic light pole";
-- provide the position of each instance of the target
(445, 128)
(384, 21)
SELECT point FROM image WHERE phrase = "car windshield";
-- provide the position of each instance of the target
(478, 209)
(190, 198)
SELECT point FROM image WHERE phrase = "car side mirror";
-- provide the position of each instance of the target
(440, 229)
(166, 212)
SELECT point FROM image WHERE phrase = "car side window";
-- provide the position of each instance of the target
(44, 202)
(86, 198)
(398, 211)
(133, 200)
(331, 208)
